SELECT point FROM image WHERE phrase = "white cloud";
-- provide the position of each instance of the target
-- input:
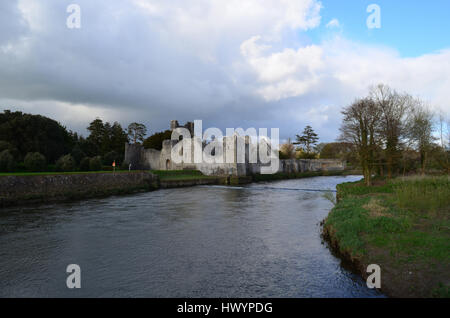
(208, 29)
(293, 73)
(334, 23)
(283, 74)
(199, 16)
(250, 48)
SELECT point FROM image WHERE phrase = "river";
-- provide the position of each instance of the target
(260, 240)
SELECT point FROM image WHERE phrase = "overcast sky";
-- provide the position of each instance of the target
(231, 63)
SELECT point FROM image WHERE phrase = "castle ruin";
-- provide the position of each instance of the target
(152, 159)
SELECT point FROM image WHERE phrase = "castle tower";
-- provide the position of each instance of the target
(174, 125)
(190, 126)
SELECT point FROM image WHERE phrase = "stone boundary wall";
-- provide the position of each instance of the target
(15, 190)
(311, 165)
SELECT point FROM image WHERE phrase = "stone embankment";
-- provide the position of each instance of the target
(29, 189)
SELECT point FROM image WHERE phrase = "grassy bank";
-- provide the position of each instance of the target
(403, 226)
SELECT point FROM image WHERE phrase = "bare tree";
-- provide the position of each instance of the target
(359, 127)
(137, 132)
(443, 158)
(444, 126)
(448, 134)
(392, 123)
(288, 149)
(420, 130)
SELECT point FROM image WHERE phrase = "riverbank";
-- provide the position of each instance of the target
(403, 226)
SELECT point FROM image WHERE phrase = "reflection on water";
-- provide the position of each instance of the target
(190, 242)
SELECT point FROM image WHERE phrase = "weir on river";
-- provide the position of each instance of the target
(255, 188)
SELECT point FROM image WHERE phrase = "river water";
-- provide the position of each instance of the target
(261, 240)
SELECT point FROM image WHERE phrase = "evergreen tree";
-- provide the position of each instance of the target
(97, 134)
(307, 140)
(118, 138)
(156, 140)
(104, 138)
(137, 132)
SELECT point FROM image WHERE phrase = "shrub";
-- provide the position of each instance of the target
(7, 163)
(110, 157)
(283, 156)
(85, 164)
(306, 155)
(77, 154)
(19, 167)
(4, 145)
(35, 162)
(95, 164)
(51, 168)
(125, 166)
(66, 163)
(287, 151)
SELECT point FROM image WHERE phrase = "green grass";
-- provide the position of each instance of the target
(423, 194)
(441, 291)
(404, 223)
(358, 188)
(179, 175)
(350, 218)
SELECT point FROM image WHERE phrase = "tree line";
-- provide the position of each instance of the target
(389, 130)
(37, 143)
(386, 133)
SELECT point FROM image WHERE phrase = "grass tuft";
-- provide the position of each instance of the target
(423, 194)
